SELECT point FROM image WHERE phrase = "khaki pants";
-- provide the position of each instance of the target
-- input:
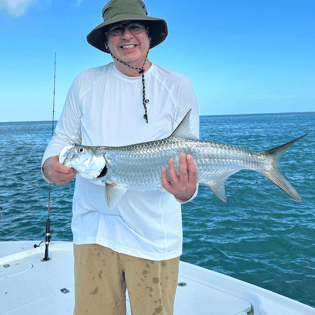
(101, 276)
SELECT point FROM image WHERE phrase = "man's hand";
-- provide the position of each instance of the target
(56, 172)
(183, 186)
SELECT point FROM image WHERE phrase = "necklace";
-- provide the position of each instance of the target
(141, 71)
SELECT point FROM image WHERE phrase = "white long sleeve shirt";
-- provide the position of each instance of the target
(104, 108)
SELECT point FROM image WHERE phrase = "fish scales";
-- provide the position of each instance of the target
(139, 166)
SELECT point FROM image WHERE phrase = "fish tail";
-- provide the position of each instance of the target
(276, 175)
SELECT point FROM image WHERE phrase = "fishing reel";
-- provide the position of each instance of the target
(47, 240)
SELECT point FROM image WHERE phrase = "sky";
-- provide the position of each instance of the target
(242, 56)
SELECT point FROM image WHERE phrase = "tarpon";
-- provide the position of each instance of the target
(138, 166)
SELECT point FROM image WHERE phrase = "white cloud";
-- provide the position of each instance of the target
(15, 7)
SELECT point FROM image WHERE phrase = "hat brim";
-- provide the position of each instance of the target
(157, 30)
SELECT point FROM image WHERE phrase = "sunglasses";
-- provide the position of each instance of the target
(119, 29)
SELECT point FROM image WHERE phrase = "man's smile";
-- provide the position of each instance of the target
(128, 46)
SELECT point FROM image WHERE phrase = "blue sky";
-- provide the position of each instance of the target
(242, 56)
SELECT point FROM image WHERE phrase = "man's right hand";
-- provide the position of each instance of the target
(56, 172)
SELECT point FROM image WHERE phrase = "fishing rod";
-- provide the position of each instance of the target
(48, 232)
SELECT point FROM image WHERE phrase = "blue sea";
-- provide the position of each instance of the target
(261, 235)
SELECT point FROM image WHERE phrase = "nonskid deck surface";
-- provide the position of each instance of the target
(30, 286)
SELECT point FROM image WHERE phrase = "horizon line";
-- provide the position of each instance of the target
(245, 114)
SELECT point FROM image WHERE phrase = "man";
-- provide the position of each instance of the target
(137, 243)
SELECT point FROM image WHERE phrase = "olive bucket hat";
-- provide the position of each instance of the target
(123, 10)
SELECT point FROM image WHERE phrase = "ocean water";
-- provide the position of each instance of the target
(260, 236)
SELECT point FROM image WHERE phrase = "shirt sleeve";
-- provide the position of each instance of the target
(188, 100)
(68, 129)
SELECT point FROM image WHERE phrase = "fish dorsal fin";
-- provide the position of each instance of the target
(183, 129)
(113, 193)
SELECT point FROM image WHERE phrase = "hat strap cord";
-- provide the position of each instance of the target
(141, 71)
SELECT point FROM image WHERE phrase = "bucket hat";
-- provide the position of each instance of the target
(123, 10)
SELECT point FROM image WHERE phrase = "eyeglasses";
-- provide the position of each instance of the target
(119, 29)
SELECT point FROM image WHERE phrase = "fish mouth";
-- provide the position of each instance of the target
(64, 153)
(103, 172)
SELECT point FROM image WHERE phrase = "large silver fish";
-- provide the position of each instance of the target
(138, 166)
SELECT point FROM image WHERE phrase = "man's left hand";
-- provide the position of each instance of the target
(182, 186)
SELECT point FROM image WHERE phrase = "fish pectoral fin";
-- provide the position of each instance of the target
(218, 188)
(113, 193)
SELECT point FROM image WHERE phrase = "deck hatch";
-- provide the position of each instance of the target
(11, 270)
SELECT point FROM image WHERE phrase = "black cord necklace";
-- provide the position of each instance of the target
(141, 71)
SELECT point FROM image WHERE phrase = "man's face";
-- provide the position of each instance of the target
(132, 45)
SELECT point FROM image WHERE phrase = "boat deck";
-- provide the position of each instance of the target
(29, 285)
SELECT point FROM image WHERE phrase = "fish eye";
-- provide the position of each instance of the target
(81, 150)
